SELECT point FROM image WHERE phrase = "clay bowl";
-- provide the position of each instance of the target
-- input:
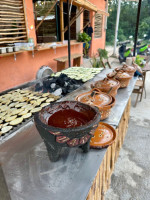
(123, 77)
(104, 108)
(107, 85)
(104, 136)
(128, 69)
(66, 124)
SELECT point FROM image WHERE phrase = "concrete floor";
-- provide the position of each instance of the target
(131, 177)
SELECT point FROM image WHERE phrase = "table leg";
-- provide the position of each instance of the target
(77, 61)
(61, 66)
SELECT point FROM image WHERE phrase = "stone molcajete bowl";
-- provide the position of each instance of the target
(76, 133)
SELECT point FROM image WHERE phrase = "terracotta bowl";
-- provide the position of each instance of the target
(104, 136)
(80, 121)
(104, 108)
(107, 85)
(123, 77)
(128, 69)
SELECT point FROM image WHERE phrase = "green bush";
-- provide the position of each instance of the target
(103, 53)
(139, 61)
(95, 62)
(84, 37)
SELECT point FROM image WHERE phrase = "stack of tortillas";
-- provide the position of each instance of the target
(18, 105)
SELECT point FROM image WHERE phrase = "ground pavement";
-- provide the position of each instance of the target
(131, 177)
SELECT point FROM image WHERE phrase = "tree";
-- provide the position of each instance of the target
(128, 18)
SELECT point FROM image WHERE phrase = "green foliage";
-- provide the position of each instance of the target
(127, 23)
(144, 27)
(103, 53)
(95, 62)
(121, 35)
(84, 37)
(139, 61)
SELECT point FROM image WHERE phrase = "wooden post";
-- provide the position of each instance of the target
(61, 66)
(137, 26)
(77, 61)
(61, 20)
(25, 17)
(68, 18)
(108, 158)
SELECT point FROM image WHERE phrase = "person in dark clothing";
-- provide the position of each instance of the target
(89, 30)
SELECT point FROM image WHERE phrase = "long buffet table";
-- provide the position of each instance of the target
(27, 173)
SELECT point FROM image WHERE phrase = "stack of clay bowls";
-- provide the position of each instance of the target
(122, 76)
(128, 69)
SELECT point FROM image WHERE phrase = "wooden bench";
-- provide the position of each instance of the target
(62, 61)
